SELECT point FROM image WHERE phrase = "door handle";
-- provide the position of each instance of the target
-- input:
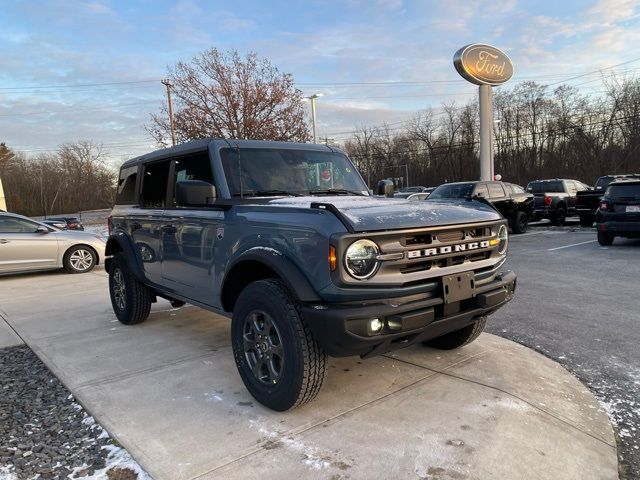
(3, 240)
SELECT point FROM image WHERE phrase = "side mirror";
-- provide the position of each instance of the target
(195, 193)
(42, 229)
(478, 195)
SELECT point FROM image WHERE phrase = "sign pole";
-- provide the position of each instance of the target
(486, 133)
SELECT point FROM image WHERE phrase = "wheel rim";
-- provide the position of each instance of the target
(119, 289)
(81, 260)
(523, 223)
(263, 347)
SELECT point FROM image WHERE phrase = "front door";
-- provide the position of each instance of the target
(189, 234)
(22, 247)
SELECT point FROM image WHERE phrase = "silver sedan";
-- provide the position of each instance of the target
(27, 245)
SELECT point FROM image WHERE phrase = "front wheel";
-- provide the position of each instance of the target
(458, 338)
(79, 259)
(605, 238)
(278, 359)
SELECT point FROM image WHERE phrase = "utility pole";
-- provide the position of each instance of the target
(167, 83)
(312, 98)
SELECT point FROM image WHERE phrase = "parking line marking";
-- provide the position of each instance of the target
(572, 245)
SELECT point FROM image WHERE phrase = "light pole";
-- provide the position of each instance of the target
(167, 83)
(312, 98)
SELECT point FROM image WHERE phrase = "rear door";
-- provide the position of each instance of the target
(23, 248)
(500, 199)
(145, 223)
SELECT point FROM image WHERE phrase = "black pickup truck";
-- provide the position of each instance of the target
(555, 199)
(588, 201)
(509, 199)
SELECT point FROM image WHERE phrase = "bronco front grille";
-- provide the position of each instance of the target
(421, 256)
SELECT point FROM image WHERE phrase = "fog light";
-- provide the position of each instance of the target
(375, 325)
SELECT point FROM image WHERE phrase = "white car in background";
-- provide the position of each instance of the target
(27, 245)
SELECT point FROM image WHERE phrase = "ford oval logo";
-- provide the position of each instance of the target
(483, 64)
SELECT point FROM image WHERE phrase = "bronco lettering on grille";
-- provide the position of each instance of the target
(462, 247)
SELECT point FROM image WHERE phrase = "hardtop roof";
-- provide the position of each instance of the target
(202, 144)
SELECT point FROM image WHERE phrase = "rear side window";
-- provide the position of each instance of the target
(481, 190)
(192, 167)
(496, 190)
(631, 191)
(126, 193)
(154, 184)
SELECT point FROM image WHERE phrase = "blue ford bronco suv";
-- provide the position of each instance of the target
(287, 240)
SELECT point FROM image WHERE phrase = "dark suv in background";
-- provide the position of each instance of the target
(619, 212)
(509, 199)
(286, 239)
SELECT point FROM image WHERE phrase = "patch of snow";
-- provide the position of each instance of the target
(6, 473)
(272, 251)
(117, 458)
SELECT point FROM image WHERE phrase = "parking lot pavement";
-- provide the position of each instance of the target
(578, 303)
(169, 392)
(8, 337)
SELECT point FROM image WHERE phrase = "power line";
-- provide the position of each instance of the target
(77, 85)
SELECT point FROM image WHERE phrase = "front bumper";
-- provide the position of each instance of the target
(342, 329)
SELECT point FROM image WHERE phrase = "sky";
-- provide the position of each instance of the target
(91, 70)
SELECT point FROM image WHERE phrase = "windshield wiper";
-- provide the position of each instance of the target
(258, 193)
(336, 191)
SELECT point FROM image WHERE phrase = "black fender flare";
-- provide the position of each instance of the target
(289, 273)
(120, 242)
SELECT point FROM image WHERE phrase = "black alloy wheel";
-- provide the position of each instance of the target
(263, 347)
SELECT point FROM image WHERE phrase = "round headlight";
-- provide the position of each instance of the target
(503, 236)
(361, 259)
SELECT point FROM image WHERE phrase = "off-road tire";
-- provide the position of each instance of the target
(79, 259)
(586, 221)
(137, 297)
(520, 223)
(559, 217)
(303, 366)
(458, 338)
(605, 238)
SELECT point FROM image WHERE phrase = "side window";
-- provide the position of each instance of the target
(481, 190)
(571, 188)
(154, 184)
(496, 190)
(517, 189)
(191, 167)
(126, 194)
(16, 225)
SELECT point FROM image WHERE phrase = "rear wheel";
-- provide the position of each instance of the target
(586, 221)
(458, 338)
(278, 359)
(605, 238)
(559, 217)
(130, 299)
(520, 222)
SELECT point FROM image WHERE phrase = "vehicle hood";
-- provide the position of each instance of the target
(379, 213)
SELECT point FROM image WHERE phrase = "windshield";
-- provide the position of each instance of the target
(285, 171)
(544, 187)
(452, 190)
(631, 191)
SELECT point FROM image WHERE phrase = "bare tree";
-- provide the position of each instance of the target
(226, 96)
